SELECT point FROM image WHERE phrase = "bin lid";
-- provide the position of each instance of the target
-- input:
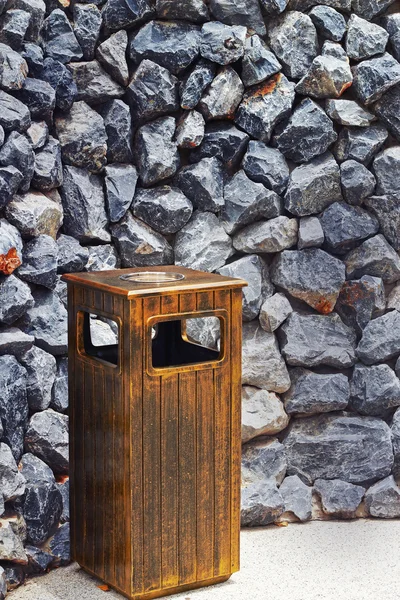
(142, 283)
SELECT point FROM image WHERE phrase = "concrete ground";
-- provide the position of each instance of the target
(357, 560)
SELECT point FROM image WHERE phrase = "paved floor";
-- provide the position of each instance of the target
(358, 560)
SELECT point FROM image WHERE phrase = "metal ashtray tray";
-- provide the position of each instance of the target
(152, 277)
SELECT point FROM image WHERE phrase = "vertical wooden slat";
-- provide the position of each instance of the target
(73, 422)
(109, 511)
(89, 452)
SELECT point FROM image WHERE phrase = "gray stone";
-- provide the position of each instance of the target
(360, 143)
(385, 168)
(374, 390)
(307, 134)
(364, 39)
(266, 165)
(351, 448)
(188, 10)
(39, 262)
(14, 341)
(10, 247)
(87, 24)
(38, 560)
(152, 91)
(37, 9)
(246, 202)
(329, 22)
(263, 459)
(138, 245)
(63, 488)
(222, 43)
(263, 365)
(47, 438)
(264, 105)
(254, 270)
(380, 339)
(61, 291)
(41, 372)
(339, 498)
(387, 211)
(157, 151)
(38, 134)
(102, 258)
(239, 12)
(327, 77)
(173, 45)
(193, 86)
(221, 99)
(112, 55)
(313, 186)
(375, 76)
(387, 110)
(13, 113)
(117, 121)
(82, 136)
(47, 322)
(15, 299)
(293, 38)
(94, 84)
(12, 483)
(357, 182)
(202, 243)
(274, 312)
(189, 131)
(267, 236)
(313, 340)
(393, 301)
(348, 112)
(368, 9)
(297, 497)
(118, 14)
(120, 184)
(59, 546)
(344, 226)
(311, 234)
(395, 429)
(14, 69)
(166, 209)
(39, 96)
(224, 141)
(10, 180)
(13, 402)
(383, 499)
(262, 413)
(72, 256)
(84, 206)
(48, 172)
(311, 275)
(17, 151)
(374, 257)
(59, 392)
(33, 54)
(359, 300)
(34, 214)
(206, 332)
(14, 25)
(261, 503)
(59, 39)
(60, 78)
(11, 546)
(312, 393)
(273, 7)
(258, 62)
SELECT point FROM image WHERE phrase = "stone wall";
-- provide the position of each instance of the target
(257, 139)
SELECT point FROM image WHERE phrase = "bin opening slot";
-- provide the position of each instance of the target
(186, 341)
(100, 337)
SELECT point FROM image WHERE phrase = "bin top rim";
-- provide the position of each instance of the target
(153, 277)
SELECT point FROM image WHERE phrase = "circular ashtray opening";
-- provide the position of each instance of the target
(152, 277)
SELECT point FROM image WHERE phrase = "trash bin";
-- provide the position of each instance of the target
(155, 428)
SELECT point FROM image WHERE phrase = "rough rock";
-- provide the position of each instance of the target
(386, 210)
(221, 99)
(239, 12)
(266, 165)
(206, 332)
(263, 459)
(348, 112)
(327, 77)
(313, 186)
(61, 291)
(173, 45)
(385, 168)
(357, 182)
(59, 546)
(13, 113)
(83, 137)
(84, 206)
(297, 497)
(47, 322)
(222, 43)
(15, 299)
(383, 499)
(60, 78)
(224, 141)
(311, 234)
(202, 243)
(395, 429)
(339, 499)
(33, 54)
(117, 121)
(118, 14)
(59, 39)
(47, 438)
(41, 372)
(189, 131)
(267, 236)
(14, 341)
(39, 262)
(13, 403)
(14, 25)
(374, 389)
(112, 55)
(34, 214)
(307, 134)
(312, 393)
(374, 257)
(38, 560)
(11, 481)
(120, 184)
(156, 151)
(138, 245)
(48, 172)
(263, 365)
(189, 10)
(166, 209)
(274, 312)
(351, 448)
(360, 143)
(262, 413)
(18, 152)
(14, 69)
(364, 39)
(329, 22)
(387, 110)
(10, 247)
(64, 491)
(393, 301)
(368, 9)
(59, 392)
(313, 340)
(102, 258)
(152, 92)
(11, 546)
(94, 84)
(193, 86)
(359, 300)
(10, 180)
(344, 226)
(261, 504)
(87, 24)
(375, 76)
(39, 96)
(380, 339)
(264, 105)
(258, 62)
(38, 134)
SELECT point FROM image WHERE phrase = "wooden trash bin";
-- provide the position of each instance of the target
(155, 430)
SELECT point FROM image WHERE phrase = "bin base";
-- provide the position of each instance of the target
(165, 591)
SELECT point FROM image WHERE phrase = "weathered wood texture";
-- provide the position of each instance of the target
(155, 452)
